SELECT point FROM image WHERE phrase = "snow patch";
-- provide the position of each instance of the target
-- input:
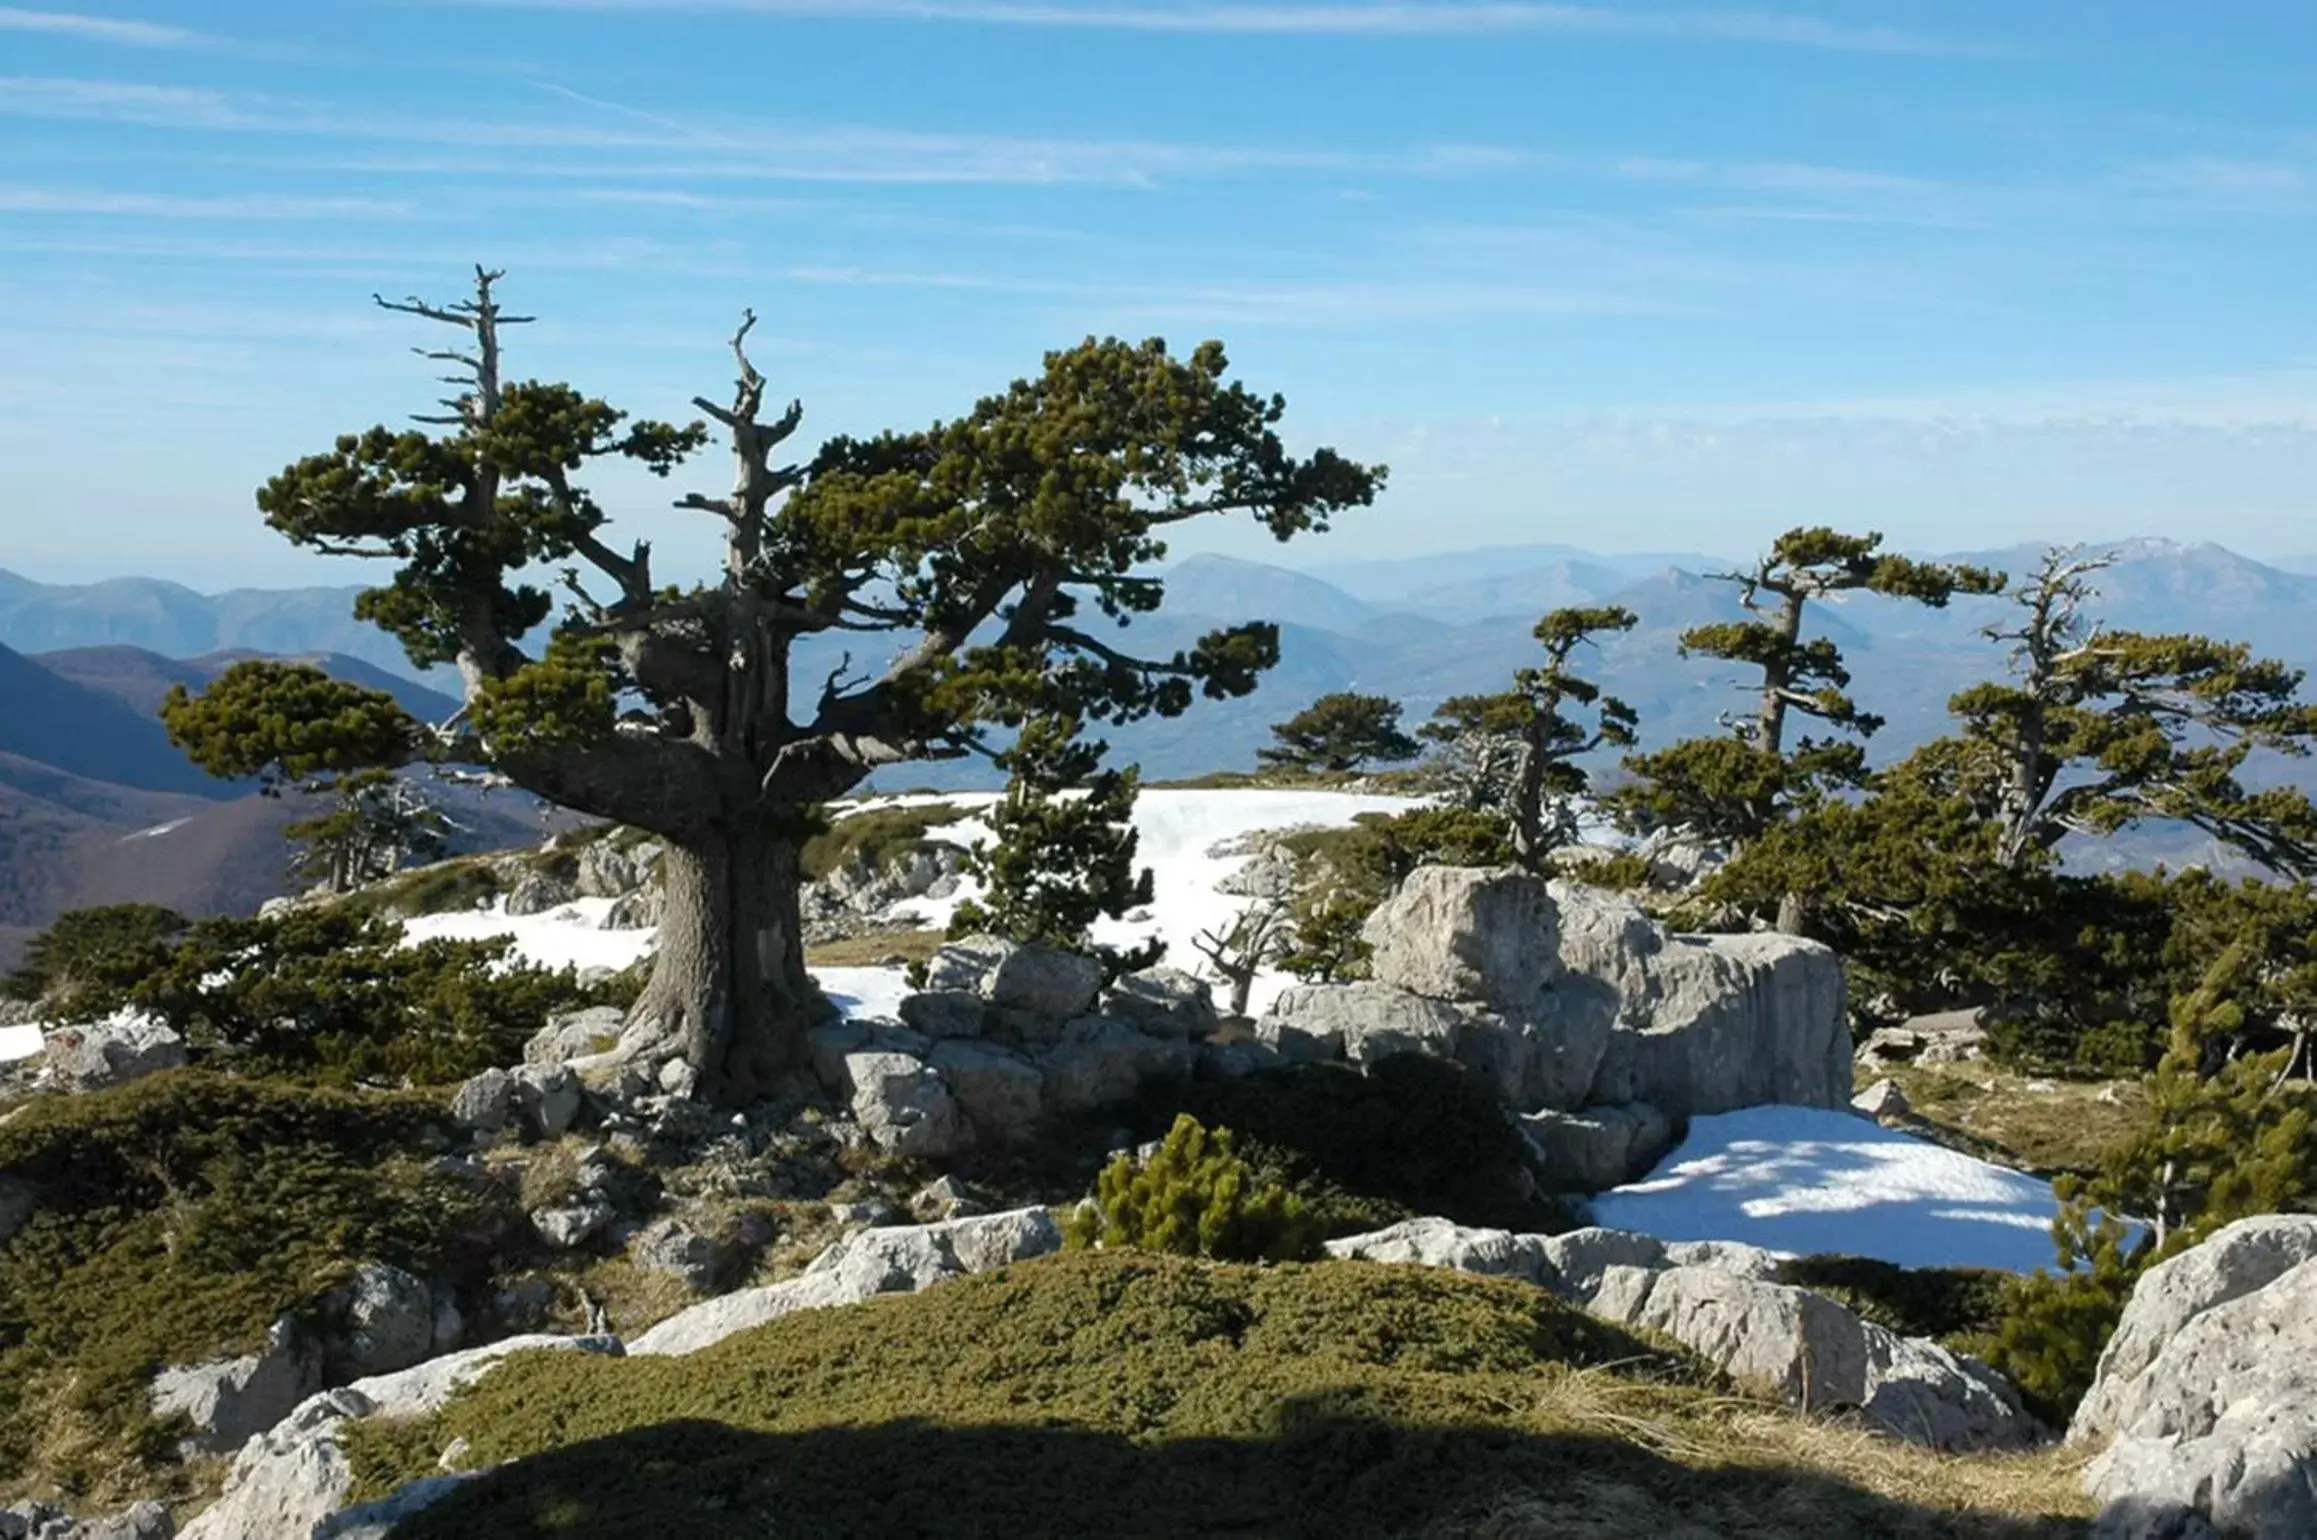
(1809, 1180)
(20, 1042)
(570, 936)
(159, 828)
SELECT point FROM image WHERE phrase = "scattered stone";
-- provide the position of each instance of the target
(606, 872)
(1883, 1101)
(536, 893)
(945, 1013)
(33, 1520)
(1433, 1242)
(567, 1226)
(384, 1320)
(1596, 1148)
(90, 1056)
(640, 910)
(228, 1401)
(901, 1259)
(672, 1247)
(546, 1097)
(870, 1211)
(1001, 1093)
(484, 1102)
(946, 1198)
(679, 1079)
(903, 1105)
(576, 1035)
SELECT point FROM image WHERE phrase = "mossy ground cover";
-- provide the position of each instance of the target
(177, 1218)
(1120, 1394)
(2032, 1123)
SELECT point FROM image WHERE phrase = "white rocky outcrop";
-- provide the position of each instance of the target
(228, 1401)
(899, 1259)
(2206, 1399)
(93, 1055)
(1719, 1300)
(292, 1482)
(1566, 999)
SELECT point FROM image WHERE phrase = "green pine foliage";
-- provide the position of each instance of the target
(1341, 875)
(1065, 847)
(92, 949)
(1340, 732)
(325, 994)
(1195, 1197)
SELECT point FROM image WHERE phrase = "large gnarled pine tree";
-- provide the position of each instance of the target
(966, 558)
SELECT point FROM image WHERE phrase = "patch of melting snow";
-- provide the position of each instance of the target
(159, 828)
(1811, 1180)
(20, 1042)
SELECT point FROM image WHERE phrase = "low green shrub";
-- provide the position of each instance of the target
(92, 949)
(1408, 1135)
(1959, 1305)
(1195, 1197)
(176, 1218)
(874, 838)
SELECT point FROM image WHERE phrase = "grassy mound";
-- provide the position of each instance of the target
(177, 1218)
(1116, 1394)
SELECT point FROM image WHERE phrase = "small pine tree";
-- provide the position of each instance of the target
(1340, 732)
(1060, 860)
(379, 824)
(1195, 1197)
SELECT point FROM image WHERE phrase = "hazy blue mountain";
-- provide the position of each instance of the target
(1395, 581)
(1226, 589)
(49, 719)
(1529, 591)
(177, 622)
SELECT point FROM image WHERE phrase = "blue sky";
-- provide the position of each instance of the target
(1628, 277)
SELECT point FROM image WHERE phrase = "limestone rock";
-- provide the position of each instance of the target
(90, 1056)
(683, 1253)
(484, 1102)
(2235, 1261)
(384, 1321)
(546, 1098)
(291, 1482)
(1099, 1063)
(2217, 1431)
(33, 1520)
(228, 1401)
(536, 893)
(1596, 1148)
(646, 907)
(1001, 1093)
(1723, 1022)
(1816, 1354)
(605, 871)
(1166, 1002)
(1434, 1242)
(898, 1259)
(1038, 981)
(1883, 1101)
(1362, 1022)
(904, 1105)
(945, 1012)
(576, 1035)
(1234, 1061)
(568, 1226)
(1464, 933)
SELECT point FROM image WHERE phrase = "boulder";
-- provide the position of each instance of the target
(1001, 1093)
(1722, 1022)
(945, 1012)
(382, 1320)
(90, 1056)
(536, 893)
(1883, 1101)
(1815, 1354)
(1166, 1002)
(1362, 1022)
(1234, 1061)
(1595, 1148)
(576, 1035)
(897, 1259)
(546, 1098)
(1546, 1062)
(229, 1401)
(2235, 1261)
(1433, 1242)
(605, 871)
(568, 1226)
(640, 910)
(1099, 1063)
(672, 1247)
(484, 1102)
(294, 1481)
(904, 1105)
(2216, 1429)
(1036, 981)
(1466, 933)
(830, 1044)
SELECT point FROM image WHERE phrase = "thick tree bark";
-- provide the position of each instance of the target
(729, 989)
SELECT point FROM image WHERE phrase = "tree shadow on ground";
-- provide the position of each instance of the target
(1326, 1474)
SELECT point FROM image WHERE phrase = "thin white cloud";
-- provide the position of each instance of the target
(41, 200)
(1450, 18)
(99, 29)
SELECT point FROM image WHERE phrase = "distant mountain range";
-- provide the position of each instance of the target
(84, 765)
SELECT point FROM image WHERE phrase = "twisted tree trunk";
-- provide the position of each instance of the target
(728, 990)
